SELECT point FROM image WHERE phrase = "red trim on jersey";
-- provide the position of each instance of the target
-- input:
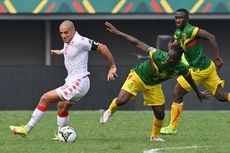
(190, 44)
(64, 114)
(42, 108)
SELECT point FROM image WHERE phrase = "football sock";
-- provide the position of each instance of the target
(113, 106)
(157, 124)
(62, 119)
(228, 98)
(36, 117)
(176, 110)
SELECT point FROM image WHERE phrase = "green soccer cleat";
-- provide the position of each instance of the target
(168, 131)
(19, 130)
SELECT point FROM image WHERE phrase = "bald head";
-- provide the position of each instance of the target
(67, 31)
(67, 24)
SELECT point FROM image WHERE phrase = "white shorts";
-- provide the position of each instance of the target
(73, 91)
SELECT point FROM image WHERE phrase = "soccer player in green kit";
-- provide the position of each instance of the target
(147, 76)
(203, 69)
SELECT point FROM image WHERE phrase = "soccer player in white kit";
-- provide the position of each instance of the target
(77, 83)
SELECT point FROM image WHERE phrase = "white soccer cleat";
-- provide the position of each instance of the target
(106, 116)
(157, 139)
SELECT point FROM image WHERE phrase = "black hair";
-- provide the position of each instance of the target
(186, 13)
(178, 51)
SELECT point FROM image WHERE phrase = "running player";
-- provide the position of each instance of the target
(77, 83)
(203, 68)
(147, 77)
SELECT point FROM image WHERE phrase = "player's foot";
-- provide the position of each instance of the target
(157, 139)
(19, 130)
(168, 131)
(106, 116)
(55, 138)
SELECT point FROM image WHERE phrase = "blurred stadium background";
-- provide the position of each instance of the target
(29, 29)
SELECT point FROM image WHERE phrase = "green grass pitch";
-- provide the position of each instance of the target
(126, 132)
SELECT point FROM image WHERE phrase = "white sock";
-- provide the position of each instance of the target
(62, 121)
(36, 117)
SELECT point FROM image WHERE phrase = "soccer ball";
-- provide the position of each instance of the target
(67, 134)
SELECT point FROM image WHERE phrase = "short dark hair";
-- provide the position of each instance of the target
(184, 11)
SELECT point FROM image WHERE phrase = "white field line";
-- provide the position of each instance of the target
(156, 150)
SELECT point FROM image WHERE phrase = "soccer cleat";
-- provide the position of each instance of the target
(106, 116)
(55, 138)
(19, 130)
(157, 139)
(168, 131)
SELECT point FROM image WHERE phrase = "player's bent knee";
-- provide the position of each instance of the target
(45, 99)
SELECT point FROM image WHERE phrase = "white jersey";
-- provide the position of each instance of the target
(76, 56)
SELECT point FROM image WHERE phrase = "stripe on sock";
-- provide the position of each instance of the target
(42, 108)
(63, 114)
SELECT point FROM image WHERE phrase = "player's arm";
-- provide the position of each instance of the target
(201, 96)
(212, 40)
(105, 52)
(137, 43)
(57, 52)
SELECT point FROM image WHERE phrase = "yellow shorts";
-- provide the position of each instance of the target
(152, 94)
(207, 77)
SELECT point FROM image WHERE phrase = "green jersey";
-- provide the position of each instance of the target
(190, 42)
(157, 69)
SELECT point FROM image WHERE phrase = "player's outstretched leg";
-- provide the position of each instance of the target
(109, 112)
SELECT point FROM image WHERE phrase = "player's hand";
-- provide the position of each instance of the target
(111, 28)
(204, 95)
(56, 52)
(112, 73)
(219, 63)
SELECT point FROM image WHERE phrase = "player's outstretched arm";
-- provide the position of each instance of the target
(105, 52)
(212, 40)
(139, 44)
(200, 95)
(57, 52)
